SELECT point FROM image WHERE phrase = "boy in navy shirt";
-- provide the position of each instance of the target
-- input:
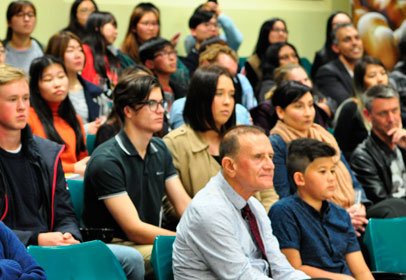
(316, 235)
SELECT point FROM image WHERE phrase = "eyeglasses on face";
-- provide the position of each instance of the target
(210, 24)
(149, 23)
(166, 53)
(153, 104)
(30, 15)
(283, 30)
(86, 10)
(288, 56)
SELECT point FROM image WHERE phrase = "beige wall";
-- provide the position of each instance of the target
(306, 19)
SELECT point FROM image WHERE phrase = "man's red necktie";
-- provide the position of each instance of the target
(252, 222)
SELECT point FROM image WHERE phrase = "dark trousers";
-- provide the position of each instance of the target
(388, 208)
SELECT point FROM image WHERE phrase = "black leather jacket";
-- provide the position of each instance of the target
(371, 164)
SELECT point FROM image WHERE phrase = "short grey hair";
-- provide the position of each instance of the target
(378, 91)
(338, 27)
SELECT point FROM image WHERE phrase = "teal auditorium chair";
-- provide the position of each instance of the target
(306, 64)
(161, 257)
(241, 61)
(386, 244)
(85, 261)
(90, 141)
(77, 193)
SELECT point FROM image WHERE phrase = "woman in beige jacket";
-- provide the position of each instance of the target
(209, 111)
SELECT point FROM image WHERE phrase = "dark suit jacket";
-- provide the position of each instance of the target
(333, 80)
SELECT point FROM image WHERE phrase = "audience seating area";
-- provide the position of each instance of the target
(77, 193)
(161, 258)
(385, 241)
(90, 141)
(88, 260)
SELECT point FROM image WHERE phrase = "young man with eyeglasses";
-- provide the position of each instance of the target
(129, 174)
(231, 34)
(159, 55)
(203, 25)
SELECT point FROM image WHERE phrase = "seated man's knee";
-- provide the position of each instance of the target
(130, 259)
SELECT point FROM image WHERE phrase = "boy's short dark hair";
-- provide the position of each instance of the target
(303, 151)
(200, 17)
(151, 47)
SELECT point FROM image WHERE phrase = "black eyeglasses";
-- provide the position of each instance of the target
(166, 53)
(154, 104)
(30, 15)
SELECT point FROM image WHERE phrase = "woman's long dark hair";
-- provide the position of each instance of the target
(361, 68)
(65, 111)
(329, 29)
(271, 59)
(202, 89)
(131, 41)
(74, 25)
(263, 37)
(97, 43)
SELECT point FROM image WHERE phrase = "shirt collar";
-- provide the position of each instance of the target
(128, 148)
(325, 207)
(230, 193)
(382, 145)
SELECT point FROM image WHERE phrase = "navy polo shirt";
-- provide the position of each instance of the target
(116, 168)
(323, 239)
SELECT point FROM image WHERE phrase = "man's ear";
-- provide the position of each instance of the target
(150, 64)
(229, 167)
(367, 114)
(128, 112)
(335, 48)
(298, 178)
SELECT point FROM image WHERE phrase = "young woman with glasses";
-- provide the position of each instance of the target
(79, 13)
(272, 31)
(21, 47)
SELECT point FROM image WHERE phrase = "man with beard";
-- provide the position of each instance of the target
(335, 78)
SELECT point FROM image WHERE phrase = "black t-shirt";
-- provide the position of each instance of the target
(25, 197)
(116, 168)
